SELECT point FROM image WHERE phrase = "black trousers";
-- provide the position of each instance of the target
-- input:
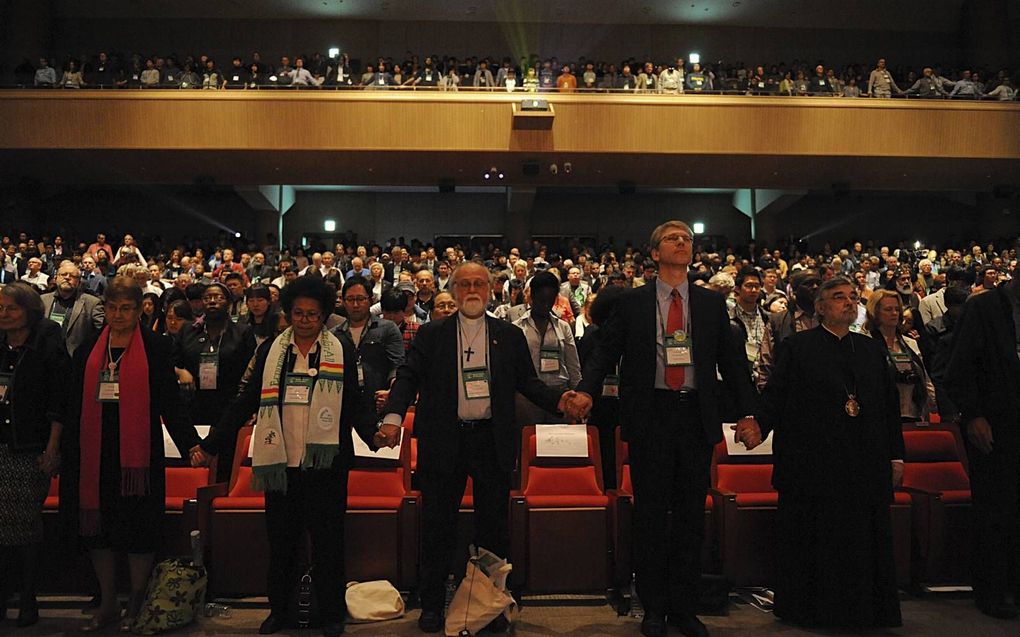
(441, 494)
(670, 460)
(315, 501)
(995, 489)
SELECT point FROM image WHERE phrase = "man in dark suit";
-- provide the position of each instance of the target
(79, 314)
(672, 336)
(983, 379)
(465, 370)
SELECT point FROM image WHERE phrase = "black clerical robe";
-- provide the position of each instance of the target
(834, 477)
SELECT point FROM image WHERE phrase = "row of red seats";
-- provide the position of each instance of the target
(567, 532)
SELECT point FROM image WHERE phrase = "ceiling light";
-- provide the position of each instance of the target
(698, 227)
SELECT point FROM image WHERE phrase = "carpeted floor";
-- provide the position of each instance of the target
(929, 616)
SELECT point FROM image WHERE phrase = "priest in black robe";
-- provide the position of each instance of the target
(838, 454)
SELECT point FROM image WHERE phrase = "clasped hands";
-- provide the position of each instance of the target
(747, 432)
(575, 405)
(388, 435)
(199, 456)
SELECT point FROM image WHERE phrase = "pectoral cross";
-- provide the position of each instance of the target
(469, 352)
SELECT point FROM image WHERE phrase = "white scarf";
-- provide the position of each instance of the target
(322, 431)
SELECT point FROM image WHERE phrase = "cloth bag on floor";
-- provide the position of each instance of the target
(173, 598)
(482, 595)
(374, 601)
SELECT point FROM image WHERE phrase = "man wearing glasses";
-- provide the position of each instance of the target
(667, 339)
(213, 352)
(377, 343)
(79, 314)
(465, 370)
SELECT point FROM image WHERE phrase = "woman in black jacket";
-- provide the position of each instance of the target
(33, 362)
(113, 486)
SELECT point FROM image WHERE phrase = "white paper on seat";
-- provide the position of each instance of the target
(738, 449)
(362, 451)
(561, 441)
(170, 449)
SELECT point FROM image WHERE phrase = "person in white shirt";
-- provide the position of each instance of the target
(129, 247)
(301, 75)
(35, 276)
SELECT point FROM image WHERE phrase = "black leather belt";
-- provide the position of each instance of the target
(683, 395)
(471, 425)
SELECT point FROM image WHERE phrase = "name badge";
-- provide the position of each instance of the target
(109, 387)
(382, 80)
(5, 383)
(237, 78)
(611, 386)
(902, 361)
(184, 85)
(208, 370)
(169, 78)
(678, 349)
(58, 317)
(751, 349)
(476, 383)
(361, 374)
(549, 360)
(428, 77)
(298, 390)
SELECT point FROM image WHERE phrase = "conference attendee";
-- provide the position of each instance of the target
(906, 364)
(747, 316)
(398, 308)
(983, 380)
(575, 288)
(376, 343)
(152, 318)
(259, 318)
(464, 370)
(551, 346)
(35, 276)
(306, 402)
(837, 458)
(113, 488)
(445, 305)
(33, 361)
(668, 340)
(178, 316)
(881, 82)
(129, 248)
(425, 284)
(799, 318)
(80, 315)
(214, 352)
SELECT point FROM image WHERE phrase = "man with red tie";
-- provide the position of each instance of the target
(669, 339)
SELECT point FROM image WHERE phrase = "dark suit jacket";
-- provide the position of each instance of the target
(382, 351)
(983, 377)
(86, 319)
(430, 371)
(631, 333)
(36, 392)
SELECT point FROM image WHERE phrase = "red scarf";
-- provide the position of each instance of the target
(133, 406)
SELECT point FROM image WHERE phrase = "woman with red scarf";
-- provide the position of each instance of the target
(124, 382)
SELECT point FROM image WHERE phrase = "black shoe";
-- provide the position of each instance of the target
(28, 615)
(430, 621)
(273, 624)
(998, 609)
(688, 625)
(332, 629)
(498, 625)
(653, 625)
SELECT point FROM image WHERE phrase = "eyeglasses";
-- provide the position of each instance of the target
(301, 315)
(356, 299)
(676, 238)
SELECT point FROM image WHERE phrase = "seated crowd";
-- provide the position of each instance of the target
(225, 318)
(529, 74)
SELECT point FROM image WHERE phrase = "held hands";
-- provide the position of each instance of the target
(748, 432)
(49, 462)
(575, 405)
(979, 433)
(199, 457)
(387, 436)
(380, 399)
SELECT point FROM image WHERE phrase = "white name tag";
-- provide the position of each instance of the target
(476, 383)
(208, 369)
(678, 349)
(549, 361)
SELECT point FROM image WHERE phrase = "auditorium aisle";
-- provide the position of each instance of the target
(927, 617)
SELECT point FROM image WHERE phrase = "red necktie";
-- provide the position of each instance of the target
(674, 322)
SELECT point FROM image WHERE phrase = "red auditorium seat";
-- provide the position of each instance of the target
(935, 479)
(559, 521)
(621, 512)
(381, 527)
(181, 518)
(745, 507)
